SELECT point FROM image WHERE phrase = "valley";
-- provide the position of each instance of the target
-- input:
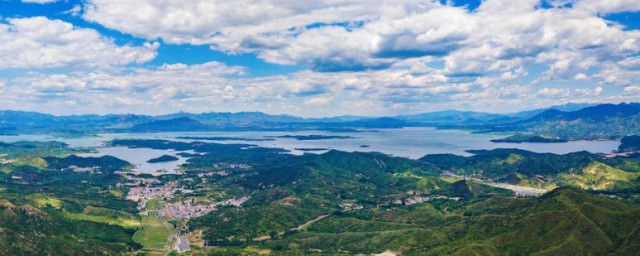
(330, 127)
(227, 198)
(413, 190)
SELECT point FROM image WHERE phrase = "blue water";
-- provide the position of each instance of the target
(406, 142)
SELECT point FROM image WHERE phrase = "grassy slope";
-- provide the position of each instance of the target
(155, 231)
(580, 169)
(307, 187)
(27, 229)
(49, 212)
(563, 222)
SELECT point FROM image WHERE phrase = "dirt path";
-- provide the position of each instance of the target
(519, 190)
(298, 228)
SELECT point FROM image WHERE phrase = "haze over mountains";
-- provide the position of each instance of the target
(589, 121)
(329, 127)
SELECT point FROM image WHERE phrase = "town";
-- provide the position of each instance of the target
(189, 209)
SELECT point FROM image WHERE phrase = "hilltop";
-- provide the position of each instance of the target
(544, 170)
(566, 221)
(13, 122)
(606, 121)
(336, 202)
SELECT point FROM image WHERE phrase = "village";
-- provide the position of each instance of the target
(173, 200)
(142, 190)
(189, 209)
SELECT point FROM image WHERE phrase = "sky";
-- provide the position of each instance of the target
(316, 58)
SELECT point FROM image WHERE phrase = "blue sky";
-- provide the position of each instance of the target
(316, 59)
(167, 53)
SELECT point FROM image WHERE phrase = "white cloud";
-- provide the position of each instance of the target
(38, 42)
(609, 6)
(632, 90)
(580, 76)
(317, 101)
(515, 91)
(282, 32)
(553, 92)
(75, 11)
(160, 89)
(588, 93)
(504, 56)
(326, 35)
(216, 87)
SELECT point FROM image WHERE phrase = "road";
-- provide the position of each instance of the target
(519, 190)
(298, 228)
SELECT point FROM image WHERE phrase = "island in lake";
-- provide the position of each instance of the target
(315, 137)
(311, 149)
(528, 138)
(163, 159)
(188, 155)
(224, 138)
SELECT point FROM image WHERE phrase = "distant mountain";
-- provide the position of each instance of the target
(454, 117)
(382, 122)
(240, 118)
(565, 108)
(175, 124)
(568, 121)
(451, 117)
(606, 121)
(338, 119)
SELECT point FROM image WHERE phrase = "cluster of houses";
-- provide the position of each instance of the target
(191, 209)
(232, 166)
(417, 199)
(204, 175)
(223, 169)
(347, 206)
(5, 161)
(73, 168)
(143, 194)
(180, 242)
(134, 181)
(412, 200)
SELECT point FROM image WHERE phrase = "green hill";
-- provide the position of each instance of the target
(630, 143)
(564, 222)
(606, 121)
(46, 209)
(579, 169)
(31, 230)
(333, 203)
(529, 138)
(299, 189)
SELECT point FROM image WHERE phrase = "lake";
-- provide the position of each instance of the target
(406, 142)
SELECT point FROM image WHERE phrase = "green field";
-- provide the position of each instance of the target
(154, 204)
(153, 238)
(154, 233)
(124, 222)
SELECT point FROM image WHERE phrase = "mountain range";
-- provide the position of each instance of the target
(588, 121)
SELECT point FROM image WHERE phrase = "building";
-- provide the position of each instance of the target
(182, 244)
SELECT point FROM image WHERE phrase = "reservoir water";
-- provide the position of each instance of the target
(406, 142)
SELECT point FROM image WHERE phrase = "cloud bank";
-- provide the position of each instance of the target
(364, 57)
